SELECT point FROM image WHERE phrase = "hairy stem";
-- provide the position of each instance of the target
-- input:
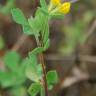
(41, 58)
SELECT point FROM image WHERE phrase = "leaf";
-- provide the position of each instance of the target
(10, 79)
(32, 75)
(44, 11)
(47, 44)
(27, 30)
(33, 59)
(18, 16)
(52, 78)
(42, 21)
(37, 50)
(56, 16)
(35, 24)
(31, 69)
(2, 43)
(19, 91)
(41, 14)
(11, 59)
(39, 71)
(43, 4)
(42, 93)
(34, 89)
(6, 79)
(46, 32)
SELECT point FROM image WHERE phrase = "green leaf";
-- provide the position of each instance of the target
(42, 21)
(44, 11)
(34, 89)
(41, 14)
(33, 59)
(39, 71)
(19, 91)
(6, 79)
(18, 16)
(42, 93)
(56, 16)
(2, 44)
(27, 30)
(10, 79)
(37, 50)
(32, 75)
(45, 32)
(11, 60)
(52, 78)
(43, 4)
(35, 24)
(50, 86)
(31, 68)
(47, 44)
(22, 67)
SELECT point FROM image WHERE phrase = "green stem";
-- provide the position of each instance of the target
(41, 58)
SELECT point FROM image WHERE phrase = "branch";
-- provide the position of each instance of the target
(91, 31)
(19, 42)
(78, 75)
(59, 57)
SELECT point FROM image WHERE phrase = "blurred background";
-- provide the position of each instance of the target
(72, 51)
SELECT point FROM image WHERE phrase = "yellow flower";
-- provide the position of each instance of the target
(65, 7)
(55, 2)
